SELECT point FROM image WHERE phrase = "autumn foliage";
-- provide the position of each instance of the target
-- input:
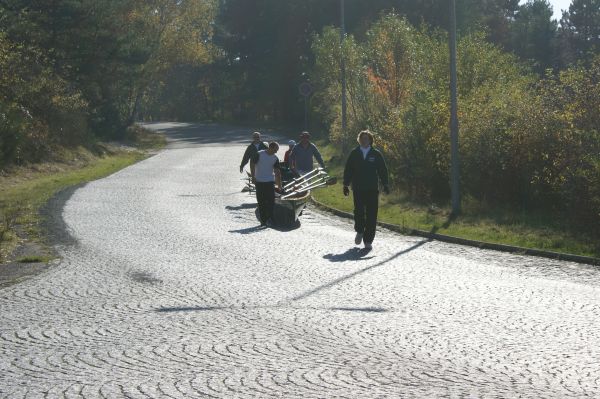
(525, 142)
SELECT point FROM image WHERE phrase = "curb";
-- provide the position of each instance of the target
(471, 243)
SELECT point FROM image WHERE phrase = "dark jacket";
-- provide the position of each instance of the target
(251, 152)
(364, 173)
(302, 158)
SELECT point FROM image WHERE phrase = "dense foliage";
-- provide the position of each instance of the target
(525, 142)
(76, 68)
(73, 71)
(267, 44)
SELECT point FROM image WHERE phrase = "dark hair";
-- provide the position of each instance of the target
(368, 133)
(273, 145)
(305, 134)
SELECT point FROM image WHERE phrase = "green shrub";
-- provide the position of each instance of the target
(525, 142)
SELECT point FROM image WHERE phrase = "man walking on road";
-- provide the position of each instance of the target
(302, 155)
(254, 147)
(364, 170)
(265, 173)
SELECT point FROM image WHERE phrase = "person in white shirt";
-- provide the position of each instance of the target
(266, 174)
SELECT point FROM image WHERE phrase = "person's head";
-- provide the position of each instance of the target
(365, 138)
(273, 148)
(291, 143)
(304, 138)
(256, 137)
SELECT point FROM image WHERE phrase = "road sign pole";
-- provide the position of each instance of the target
(305, 90)
(306, 113)
(454, 156)
(343, 73)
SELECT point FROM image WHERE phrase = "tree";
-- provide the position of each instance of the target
(110, 51)
(534, 33)
(580, 31)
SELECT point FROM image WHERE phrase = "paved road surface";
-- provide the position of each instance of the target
(168, 290)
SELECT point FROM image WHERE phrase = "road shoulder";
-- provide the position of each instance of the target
(31, 209)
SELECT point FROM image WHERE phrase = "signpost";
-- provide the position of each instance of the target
(454, 156)
(343, 73)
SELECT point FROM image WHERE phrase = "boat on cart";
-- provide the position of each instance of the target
(296, 193)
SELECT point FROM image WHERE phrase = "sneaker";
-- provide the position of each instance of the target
(358, 238)
(368, 245)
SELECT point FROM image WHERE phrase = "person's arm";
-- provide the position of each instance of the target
(348, 173)
(292, 159)
(382, 171)
(253, 162)
(277, 171)
(245, 159)
(291, 162)
(278, 179)
(348, 170)
(318, 156)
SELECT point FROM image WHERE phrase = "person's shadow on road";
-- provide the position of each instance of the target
(353, 254)
(242, 207)
(248, 230)
(239, 213)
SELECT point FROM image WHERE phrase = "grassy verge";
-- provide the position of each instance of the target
(26, 189)
(477, 222)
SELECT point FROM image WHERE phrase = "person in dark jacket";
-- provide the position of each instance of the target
(252, 149)
(302, 155)
(364, 170)
(286, 156)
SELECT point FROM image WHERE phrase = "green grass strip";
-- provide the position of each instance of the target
(32, 193)
(477, 222)
(21, 200)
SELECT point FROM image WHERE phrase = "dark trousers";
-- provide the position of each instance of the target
(366, 204)
(265, 196)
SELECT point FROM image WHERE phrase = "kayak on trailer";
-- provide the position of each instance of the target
(296, 193)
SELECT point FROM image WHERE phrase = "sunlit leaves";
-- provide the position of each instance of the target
(524, 141)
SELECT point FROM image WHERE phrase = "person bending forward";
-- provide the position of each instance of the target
(266, 172)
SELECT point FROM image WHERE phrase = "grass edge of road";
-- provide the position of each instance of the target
(27, 189)
(477, 222)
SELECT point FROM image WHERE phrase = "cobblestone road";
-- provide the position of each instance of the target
(169, 291)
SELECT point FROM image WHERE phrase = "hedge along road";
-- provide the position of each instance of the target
(167, 289)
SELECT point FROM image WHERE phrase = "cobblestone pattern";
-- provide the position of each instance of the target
(171, 291)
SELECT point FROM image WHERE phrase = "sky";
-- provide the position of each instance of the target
(557, 6)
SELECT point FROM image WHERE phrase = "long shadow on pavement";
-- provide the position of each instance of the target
(190, 309)
(249, 230)
(367, 309)
(186, 135)
(180, 134)
(353, 254)
(352, 275)
(242, 206)
(256, 229)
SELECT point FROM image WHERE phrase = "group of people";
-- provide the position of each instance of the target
(266, 169)
(365, 171)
